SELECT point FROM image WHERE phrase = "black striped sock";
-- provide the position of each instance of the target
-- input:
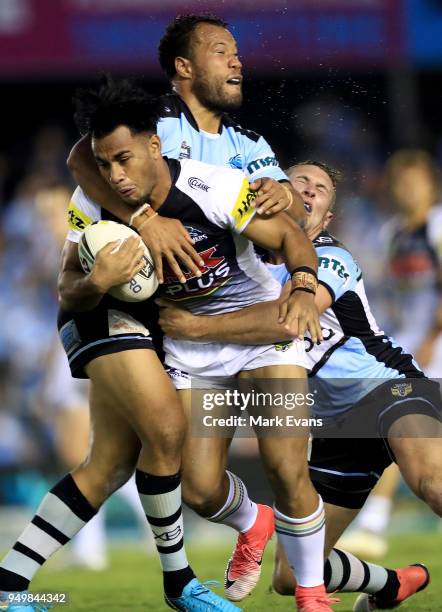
(161, 500)
(61, 514)
(346, 573)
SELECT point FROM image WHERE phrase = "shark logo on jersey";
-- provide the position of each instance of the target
(236, 162)
(185, 151)
(196, 234)
(197, 183)
(401, 389)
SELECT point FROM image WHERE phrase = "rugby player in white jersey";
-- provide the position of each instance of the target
(200, 58)
(214, 203)
(345, 470)
(132, 404)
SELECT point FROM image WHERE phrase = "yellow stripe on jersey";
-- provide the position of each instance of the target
(243, 209)
(77, 219)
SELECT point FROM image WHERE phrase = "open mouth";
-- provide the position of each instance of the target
(234, 81)
(308, 207)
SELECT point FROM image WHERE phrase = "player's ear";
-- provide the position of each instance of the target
(183, 67)
(327, 219)
(155, 146)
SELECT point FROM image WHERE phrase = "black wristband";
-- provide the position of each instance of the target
(302, 289)
(304, 269)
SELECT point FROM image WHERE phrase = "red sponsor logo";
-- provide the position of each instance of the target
(210, 262)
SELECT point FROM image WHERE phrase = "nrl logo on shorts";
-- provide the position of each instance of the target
(401, 389)
(197, 183)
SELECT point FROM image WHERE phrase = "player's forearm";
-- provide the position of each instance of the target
(297, 208)
(81, 163)
(297, 250)
(78, 292)
(256, 324)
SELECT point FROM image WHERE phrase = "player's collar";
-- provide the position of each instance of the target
(185, 110)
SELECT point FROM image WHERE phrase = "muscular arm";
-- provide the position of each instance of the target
(257, 324)
(280, 234)
(115, 263)
(77, 291)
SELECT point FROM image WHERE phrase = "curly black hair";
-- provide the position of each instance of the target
(177, 39)
(112, 103)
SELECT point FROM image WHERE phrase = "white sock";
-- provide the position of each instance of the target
(375, 514)
(303, 542)
(239, 511)
(161, 499)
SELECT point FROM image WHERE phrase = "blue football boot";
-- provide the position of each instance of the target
(196, 597)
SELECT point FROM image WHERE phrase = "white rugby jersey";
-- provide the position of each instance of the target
(214, 205)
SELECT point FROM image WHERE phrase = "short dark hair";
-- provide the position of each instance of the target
(177, 39)
(112, 103)
(334, 174)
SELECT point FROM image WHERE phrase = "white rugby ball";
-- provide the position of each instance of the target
(95, 237)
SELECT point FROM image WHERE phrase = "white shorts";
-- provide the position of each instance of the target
(213, 365)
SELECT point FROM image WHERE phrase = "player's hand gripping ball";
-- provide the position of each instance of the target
(95, 237)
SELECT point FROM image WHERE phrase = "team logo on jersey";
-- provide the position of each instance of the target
(401, 389)
(243, 209)
(185, 151)
(210, 262)
(196, 234)
(236, 162)
(77, 219)
(263, 162)
(197, 183)
(215, 274)
(334, 265)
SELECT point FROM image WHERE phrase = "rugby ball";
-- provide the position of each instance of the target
(143, 285)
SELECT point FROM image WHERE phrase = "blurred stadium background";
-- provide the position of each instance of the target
(347, 82)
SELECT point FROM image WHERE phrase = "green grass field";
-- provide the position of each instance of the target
(133, 581)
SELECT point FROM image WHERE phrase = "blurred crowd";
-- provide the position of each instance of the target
(35, 385)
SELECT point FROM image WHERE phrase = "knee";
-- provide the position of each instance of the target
(289, 480)
(202, 493)
(430, 490)
(164, 441)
